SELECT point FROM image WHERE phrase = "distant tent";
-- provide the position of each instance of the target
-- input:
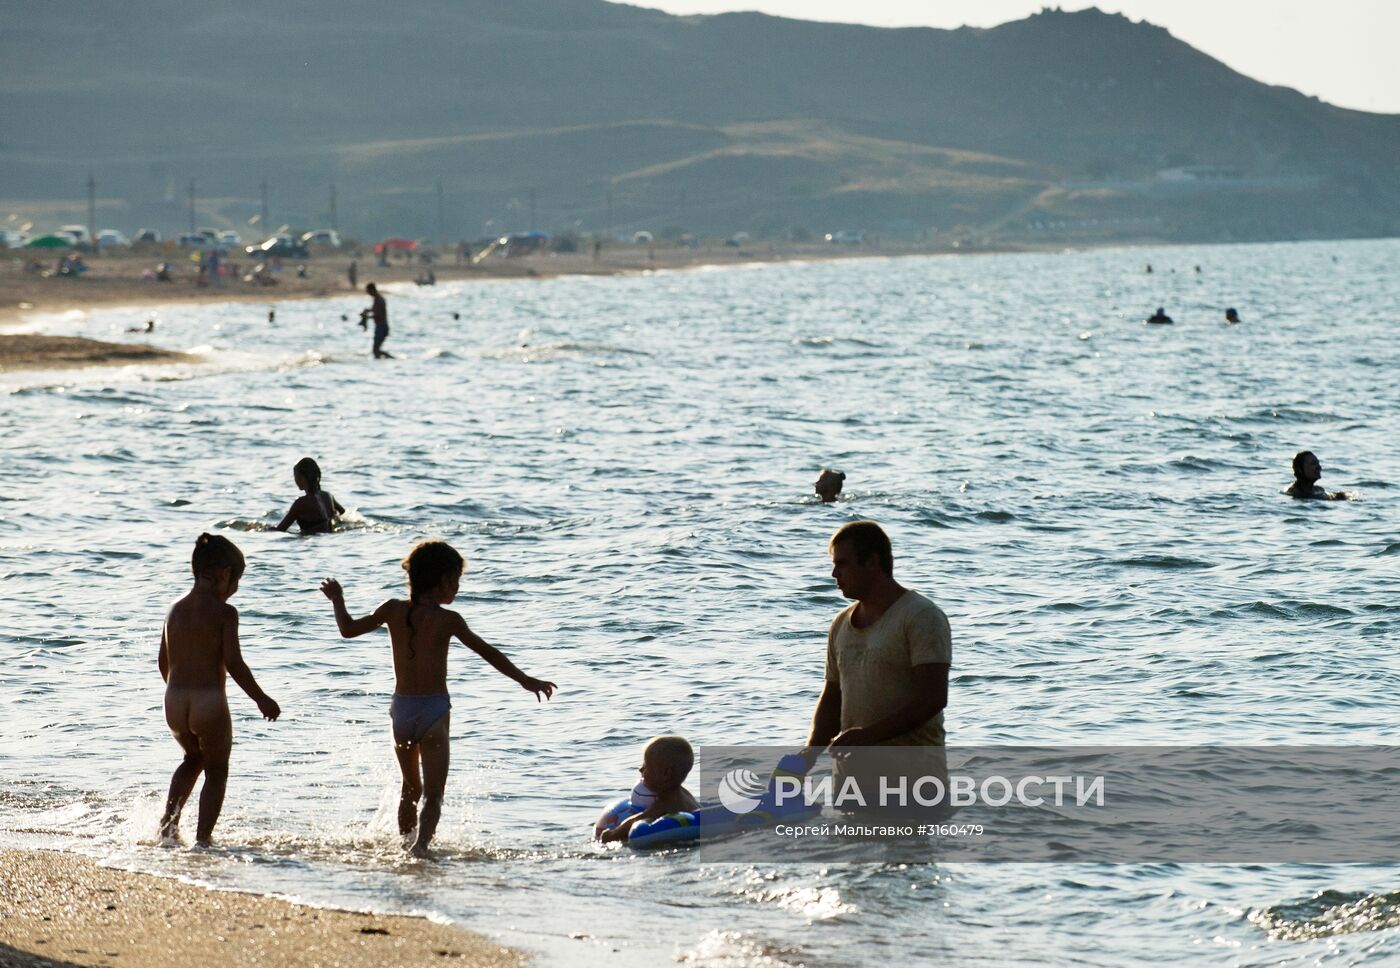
(50, 242)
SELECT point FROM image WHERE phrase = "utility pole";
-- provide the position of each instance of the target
(263, 220)
(335, 227)
(442, 225)
(92, 212)
(610, 218)
(191, 206)
(533, 220)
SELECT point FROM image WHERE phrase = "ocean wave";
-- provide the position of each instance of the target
(1328, 914)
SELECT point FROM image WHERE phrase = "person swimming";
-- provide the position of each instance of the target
(828, 484)
(1231, 316)
(1159, 318)
(315, 511)
(1306, 471)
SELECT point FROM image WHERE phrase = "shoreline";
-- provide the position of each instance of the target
(114, 281)
(62, 909)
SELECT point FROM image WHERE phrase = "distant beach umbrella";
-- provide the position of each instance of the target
(50, 242)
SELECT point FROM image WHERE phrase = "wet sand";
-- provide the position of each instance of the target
(25, 351)
(60, 909)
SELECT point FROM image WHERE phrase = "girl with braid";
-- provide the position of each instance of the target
(315, 511)
(420, 631)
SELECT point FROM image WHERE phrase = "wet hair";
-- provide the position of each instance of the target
(214, 551)
(427, 565)
(672, 751)
(827, 474)
(1298, 460)
(310, 471)
(866, 538)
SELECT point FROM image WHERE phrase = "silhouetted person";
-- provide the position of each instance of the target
(1306, 471)
(828, 485)
(353, 273)
(1149, 267)
(1159, 318)
(1231, 316)
(379, 312)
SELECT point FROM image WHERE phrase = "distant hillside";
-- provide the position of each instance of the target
(1057, 126)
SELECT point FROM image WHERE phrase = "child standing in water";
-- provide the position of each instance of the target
(315, 511)
(420, 631)
(198, 645)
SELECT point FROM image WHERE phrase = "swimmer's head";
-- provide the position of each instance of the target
(434, 567)
(828, 484)
(1231, 316)
(1306, 466)
(217, 559)
(860, 558)
(307, 474)
(666, 762)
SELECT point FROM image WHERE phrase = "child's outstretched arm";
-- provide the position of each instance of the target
(500, 663)
(238, 669)
(352, 627)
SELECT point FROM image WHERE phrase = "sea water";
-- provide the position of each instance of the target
(627, 464)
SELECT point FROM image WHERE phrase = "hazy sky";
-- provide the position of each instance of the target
(1343, 51)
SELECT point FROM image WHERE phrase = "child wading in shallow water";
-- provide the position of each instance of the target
(420, 630)
(198, 644)
(315, 511)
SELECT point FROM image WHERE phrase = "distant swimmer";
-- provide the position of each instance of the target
(1159, 318)
(198, 649)
(1149, 267)
(1231, 316)
(150, 327)
(379, 312)
(315, 511)
(1306, 471)
(828, 485)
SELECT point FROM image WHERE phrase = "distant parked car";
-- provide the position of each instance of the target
(193, 240)
(280, 247)
(12, 240)
(326, 237)
(229, 238)
(111, 238)
(79, 232)
(145, 236)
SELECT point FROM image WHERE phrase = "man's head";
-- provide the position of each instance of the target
(861, 558)
(666, 762)
(828, 484)
(1306, 467)
(372, 289)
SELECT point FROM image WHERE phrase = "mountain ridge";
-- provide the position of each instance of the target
(714, 124)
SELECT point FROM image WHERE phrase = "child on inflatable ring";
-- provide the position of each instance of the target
(666, 762)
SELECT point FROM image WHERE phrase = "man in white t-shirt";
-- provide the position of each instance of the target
(887, 655)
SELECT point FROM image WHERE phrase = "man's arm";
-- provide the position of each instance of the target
(826, 719)
(931, 686)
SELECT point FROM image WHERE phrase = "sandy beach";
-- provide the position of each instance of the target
(115, 280)
(60, 909)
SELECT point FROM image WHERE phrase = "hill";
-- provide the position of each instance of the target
(586, 115)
